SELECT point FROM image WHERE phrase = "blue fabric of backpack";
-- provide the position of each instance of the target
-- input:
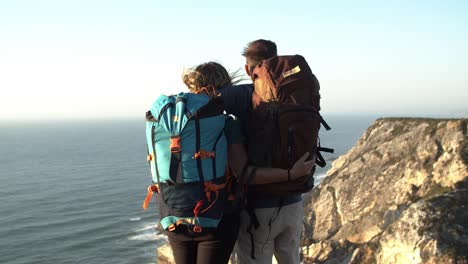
(187, 148)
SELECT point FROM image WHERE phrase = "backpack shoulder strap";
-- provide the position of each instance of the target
(213, 107)
(325, 125)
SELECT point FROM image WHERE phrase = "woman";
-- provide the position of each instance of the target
(215, 246)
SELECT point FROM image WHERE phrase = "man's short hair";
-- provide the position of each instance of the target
(259, 50)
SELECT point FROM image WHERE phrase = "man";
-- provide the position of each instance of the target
(279, 218)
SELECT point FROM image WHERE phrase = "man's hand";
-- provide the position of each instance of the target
(302, 167)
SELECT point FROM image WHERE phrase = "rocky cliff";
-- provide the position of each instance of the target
(400, 195)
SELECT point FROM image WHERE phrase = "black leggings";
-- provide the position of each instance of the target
(208, 247)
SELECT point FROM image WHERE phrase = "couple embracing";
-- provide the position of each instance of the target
(230, 162)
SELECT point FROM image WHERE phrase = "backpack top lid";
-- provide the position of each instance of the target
(281, 68)
(192, 102)
(176, 110)
(286, 79)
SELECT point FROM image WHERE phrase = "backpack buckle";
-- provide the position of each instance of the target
(197, 229)
(203, 154)
(175, 144)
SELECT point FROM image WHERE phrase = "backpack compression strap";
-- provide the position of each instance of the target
(151, 190)
(174, 165)
(212, 108)
(320, 160)
(325, 125)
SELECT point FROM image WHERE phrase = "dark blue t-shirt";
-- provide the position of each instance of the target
(238, 102)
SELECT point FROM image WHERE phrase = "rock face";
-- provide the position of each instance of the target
(165, 255)
(400, 195)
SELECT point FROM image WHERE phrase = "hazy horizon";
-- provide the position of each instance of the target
(111, 59)
(141, 118)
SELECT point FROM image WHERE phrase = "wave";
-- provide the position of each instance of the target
(148, 232)
(147, 227)
(158, 238)
(320, 176)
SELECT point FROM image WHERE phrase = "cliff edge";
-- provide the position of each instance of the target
(400, 195)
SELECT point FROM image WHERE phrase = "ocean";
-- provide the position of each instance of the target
(71, 191)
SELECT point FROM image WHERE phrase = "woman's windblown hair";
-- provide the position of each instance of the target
(208, 78)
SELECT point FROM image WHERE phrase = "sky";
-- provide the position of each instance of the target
(111, 59)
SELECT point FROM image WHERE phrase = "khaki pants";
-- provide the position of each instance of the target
(279, 234)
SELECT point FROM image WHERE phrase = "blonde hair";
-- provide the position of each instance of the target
(208, 78)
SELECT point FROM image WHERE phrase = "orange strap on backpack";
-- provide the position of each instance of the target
(196, 211)
(203, 154)
(151, 190)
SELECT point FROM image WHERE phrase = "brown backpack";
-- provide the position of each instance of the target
(285, 120)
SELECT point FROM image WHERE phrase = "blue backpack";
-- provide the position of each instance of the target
(187, 156)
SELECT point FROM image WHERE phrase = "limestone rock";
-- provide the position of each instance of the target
(429, 231)
(387, 194)
(164, 255)
(329, 251)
